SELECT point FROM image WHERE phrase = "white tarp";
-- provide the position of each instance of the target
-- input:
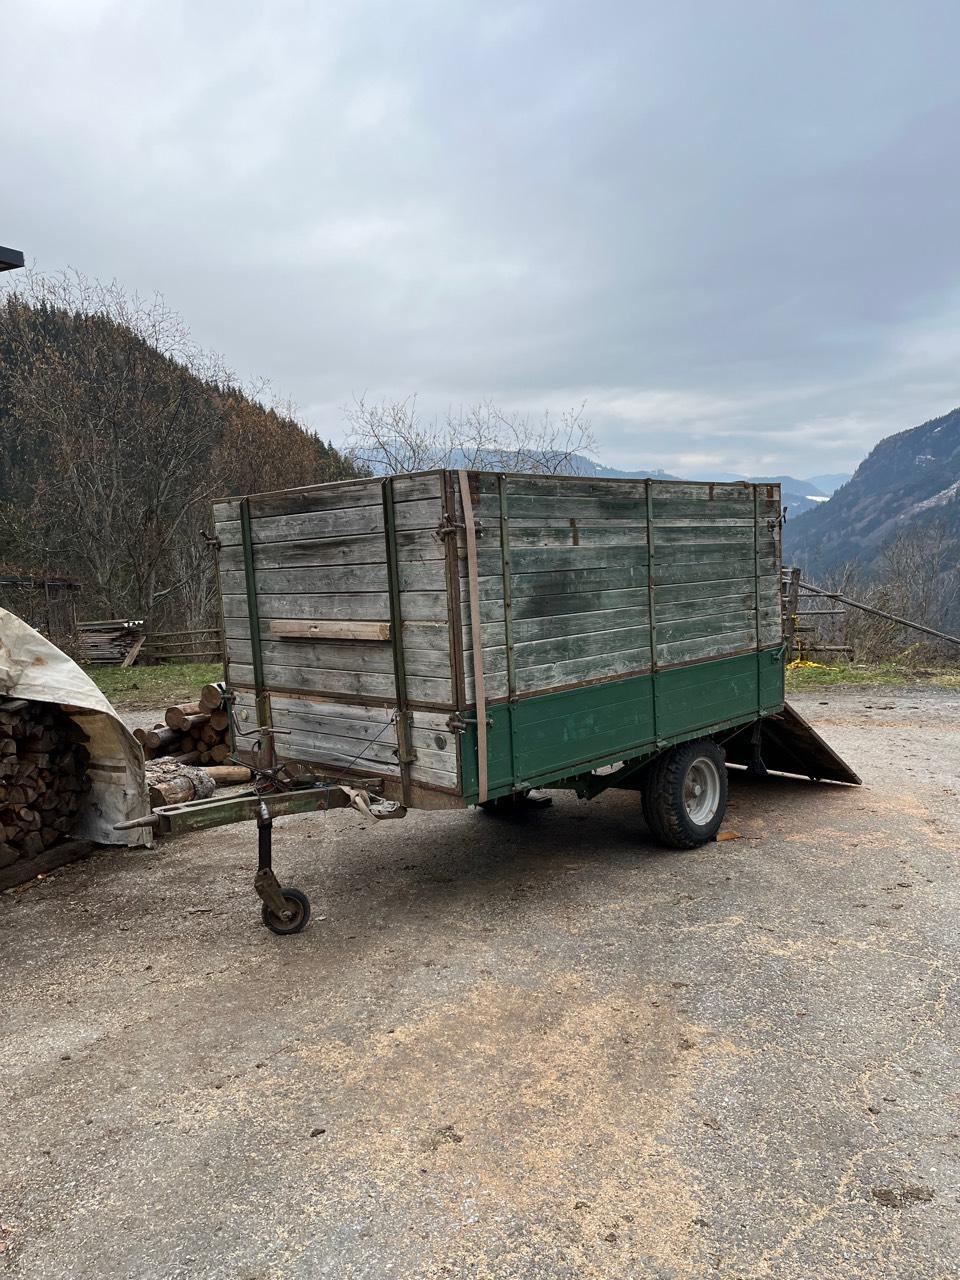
(32, 667)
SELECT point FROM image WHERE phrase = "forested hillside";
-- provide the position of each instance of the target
(115, 434)
(891, 535)
(910, 482)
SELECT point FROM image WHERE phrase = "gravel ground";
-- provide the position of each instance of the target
(536, 1050)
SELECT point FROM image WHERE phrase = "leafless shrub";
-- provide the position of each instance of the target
(392, 437)
(917, 577)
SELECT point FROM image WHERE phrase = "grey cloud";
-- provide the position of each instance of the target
(730, 228)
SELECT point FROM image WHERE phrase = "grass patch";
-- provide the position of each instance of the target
(134, 688)
(879, 673)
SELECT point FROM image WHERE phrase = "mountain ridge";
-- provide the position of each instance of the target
(908, 481)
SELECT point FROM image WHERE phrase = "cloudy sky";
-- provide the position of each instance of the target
(733, 228)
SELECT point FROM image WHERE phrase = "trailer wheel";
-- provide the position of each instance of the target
(298, 905)
(685, 794)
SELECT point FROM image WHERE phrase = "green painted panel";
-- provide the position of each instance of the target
(706, 693)
(770, 666)
(571, 731)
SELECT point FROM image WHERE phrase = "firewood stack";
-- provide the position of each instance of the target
(193, 733)
(43, 777)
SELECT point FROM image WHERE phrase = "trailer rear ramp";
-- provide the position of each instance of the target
(786, 743)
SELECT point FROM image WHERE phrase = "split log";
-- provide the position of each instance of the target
(161, 739)
(226, 775)
(211, 697)
(172, 791)
(181, 717)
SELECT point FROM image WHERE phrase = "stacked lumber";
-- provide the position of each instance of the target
(110, 643)
(192, 732)
(43, 777)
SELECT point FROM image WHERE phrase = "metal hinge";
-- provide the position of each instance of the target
(448, 525)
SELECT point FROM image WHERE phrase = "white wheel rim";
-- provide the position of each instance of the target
(701, 790)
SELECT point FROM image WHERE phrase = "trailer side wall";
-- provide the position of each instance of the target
(615, 617)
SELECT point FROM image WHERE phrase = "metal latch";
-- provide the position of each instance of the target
(448, 525)
(457, 723)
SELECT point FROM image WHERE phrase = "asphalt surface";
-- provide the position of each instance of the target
(534, 1050)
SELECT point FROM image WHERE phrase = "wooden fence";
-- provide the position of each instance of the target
(205, 645)
(114, 642)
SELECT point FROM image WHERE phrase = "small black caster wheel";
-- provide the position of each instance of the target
(298, 905)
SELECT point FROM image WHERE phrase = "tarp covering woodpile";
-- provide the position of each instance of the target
(34, 669)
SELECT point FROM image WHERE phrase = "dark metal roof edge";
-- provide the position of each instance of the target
(10, 259)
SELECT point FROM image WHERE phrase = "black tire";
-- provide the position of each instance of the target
(685, 794)
(299, 907)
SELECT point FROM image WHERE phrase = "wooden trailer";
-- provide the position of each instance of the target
(453, 638)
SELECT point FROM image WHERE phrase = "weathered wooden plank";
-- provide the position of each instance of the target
(602, 647)
(526, 509)
(664, 492)
(420, 661)
(552, 676)
(549, 604)
(739, 508)
(439, 743)
(706, 589)
(564, 582)
(570, 624)
(334, 495)
(354, 605)
(333, 629)
(376, 657)
(710, 625)
(703, 647)
(419, 606)
(417, 545)
(417, 576)
(690, 571)
(564, 487)
(372, 717)
(303, 525)
(704, 522)
(714, 606)
(374, 758)
(339, 496)
(354, 684)
(705, 537)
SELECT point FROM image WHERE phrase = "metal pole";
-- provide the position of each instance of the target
(879, 613)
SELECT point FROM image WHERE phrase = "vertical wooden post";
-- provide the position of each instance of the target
(508, 616)
(405, 752)
(655, 694)
(791, 605)
(480, 697)
(264, 718)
